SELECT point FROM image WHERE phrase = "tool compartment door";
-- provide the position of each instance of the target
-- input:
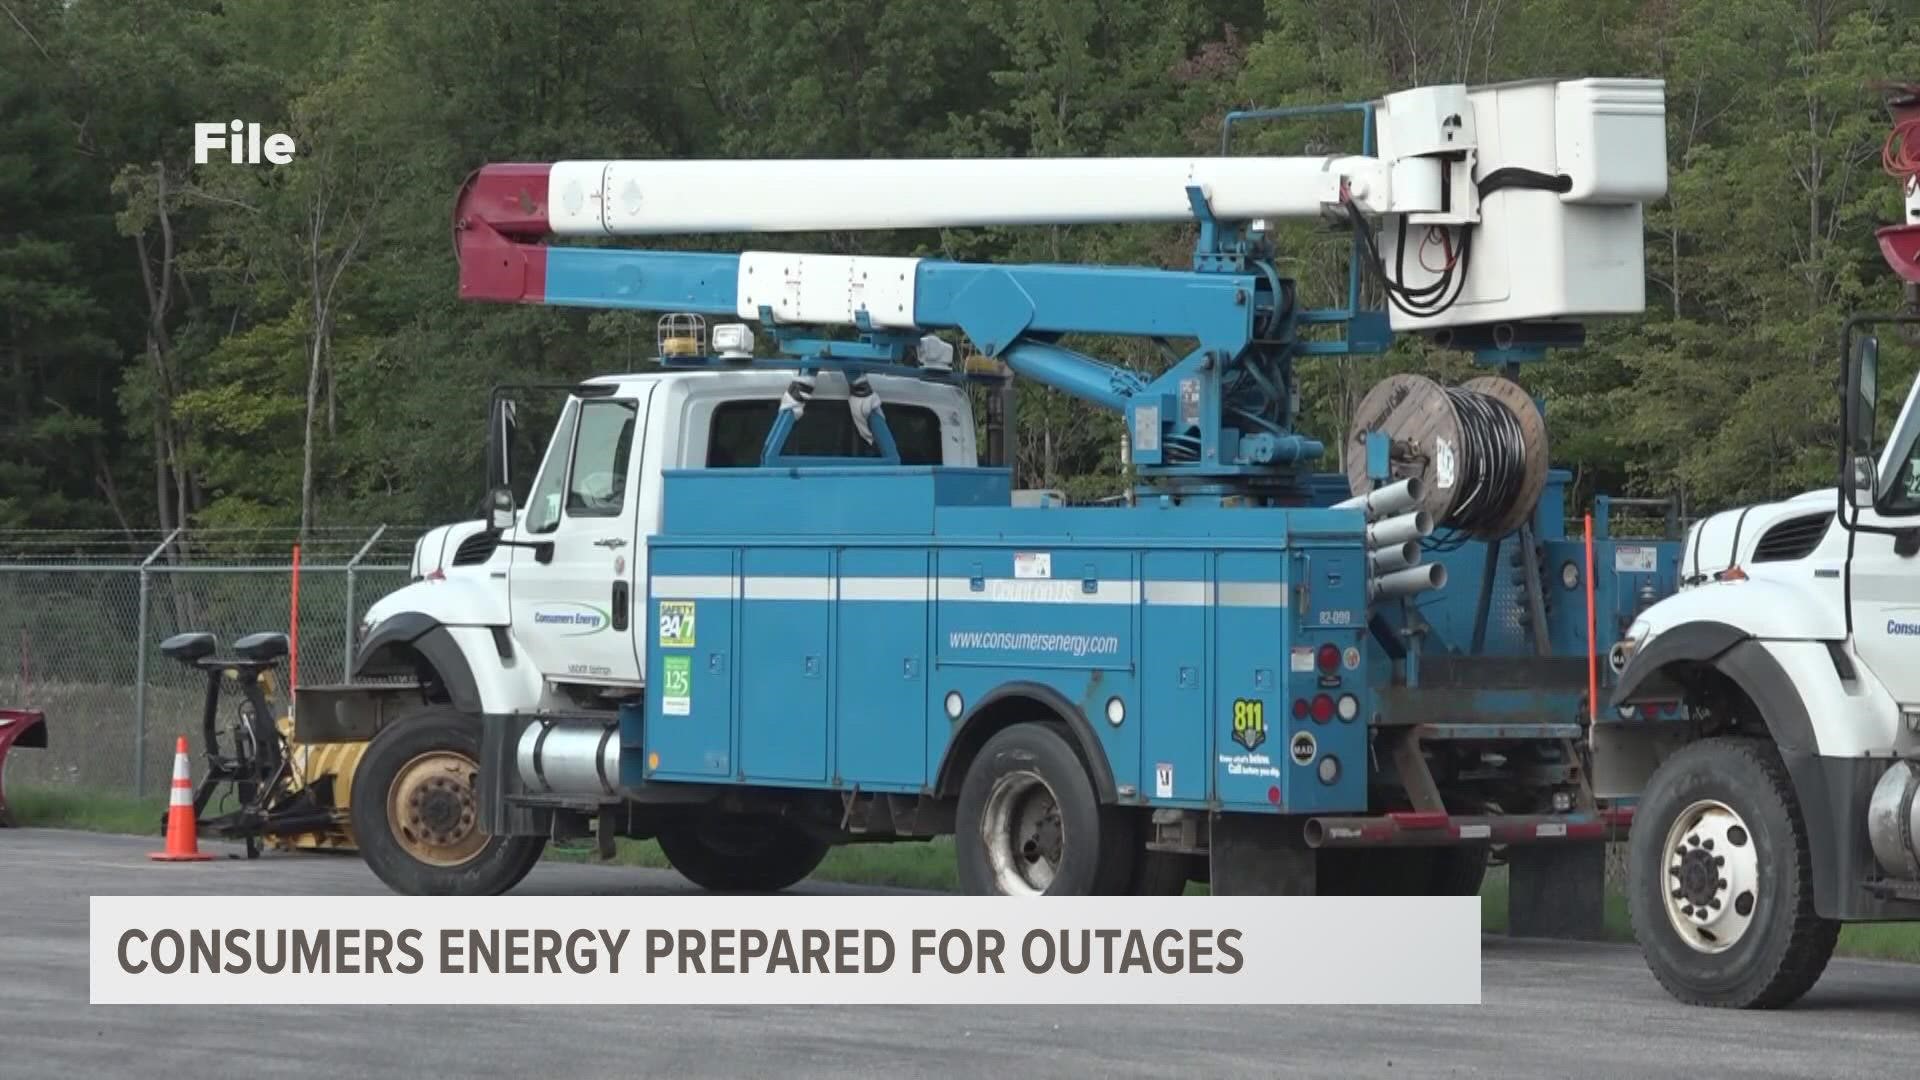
(786, 617)
(690, 620)
(1173, 649)
(880, 722)
(1247, 719)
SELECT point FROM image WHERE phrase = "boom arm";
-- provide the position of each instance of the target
(1527, 196)
(644, 198)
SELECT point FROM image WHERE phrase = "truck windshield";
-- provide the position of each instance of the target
(825, 430)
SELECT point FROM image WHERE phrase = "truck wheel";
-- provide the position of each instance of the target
(740, 853)
(1720, 885)
(415, 811)
(1029, 822)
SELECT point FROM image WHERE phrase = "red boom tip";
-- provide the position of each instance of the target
(500, 216)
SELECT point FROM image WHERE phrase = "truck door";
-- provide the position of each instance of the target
(1884, 570)
(573, 614)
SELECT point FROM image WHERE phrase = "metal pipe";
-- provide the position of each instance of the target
(1388, 559)
(1392, 499)
(353, 564)
(1413, 579)
(140, 688)
(1398, 530)
(140, 665)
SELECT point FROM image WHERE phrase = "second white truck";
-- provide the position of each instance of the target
(1787, 806)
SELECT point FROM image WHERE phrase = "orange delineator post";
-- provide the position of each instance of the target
(183, 832)
(1593, 655)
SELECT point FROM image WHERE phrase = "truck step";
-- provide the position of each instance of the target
(1440, 829)
(1895, 890)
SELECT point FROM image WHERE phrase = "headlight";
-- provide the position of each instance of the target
(1623, 650)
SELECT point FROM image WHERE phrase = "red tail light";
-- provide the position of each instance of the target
(1322, 708)
(1329, 659)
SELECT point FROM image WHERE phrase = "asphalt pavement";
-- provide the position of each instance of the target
(1550, 1009)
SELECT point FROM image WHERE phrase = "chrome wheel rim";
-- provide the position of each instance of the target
(1024, 836)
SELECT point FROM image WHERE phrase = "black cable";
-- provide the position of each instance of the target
(1422, 301)
(1445, 541)
(1492, 462)
(1524, 179)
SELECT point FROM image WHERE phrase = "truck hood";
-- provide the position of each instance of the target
(434, 551)
(1790, 529)
(1788, 555)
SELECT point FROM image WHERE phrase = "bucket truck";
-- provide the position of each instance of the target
(767, 599)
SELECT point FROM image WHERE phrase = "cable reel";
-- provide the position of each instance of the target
(1480, 449)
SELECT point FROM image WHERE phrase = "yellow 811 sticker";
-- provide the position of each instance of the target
(1249, 722)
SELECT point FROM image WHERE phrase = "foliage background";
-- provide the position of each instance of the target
(227, 346)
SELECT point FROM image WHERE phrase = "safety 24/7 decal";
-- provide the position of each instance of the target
(1249, 722)
(676, 624)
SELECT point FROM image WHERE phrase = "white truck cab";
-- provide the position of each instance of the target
(542, 611)
(1786, 804)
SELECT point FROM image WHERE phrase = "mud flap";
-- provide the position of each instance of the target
(1557, 891)
(1251, 855)
(500, 777)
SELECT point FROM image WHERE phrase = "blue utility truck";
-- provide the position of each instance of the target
(772, 597)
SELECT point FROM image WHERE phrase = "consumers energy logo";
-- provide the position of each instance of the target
(572, 620)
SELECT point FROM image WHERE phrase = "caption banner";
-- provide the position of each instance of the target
(647, 950)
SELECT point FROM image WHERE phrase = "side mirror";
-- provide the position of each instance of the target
(503, 422)
(1866, 483)
(1863, 391)
(500, 509)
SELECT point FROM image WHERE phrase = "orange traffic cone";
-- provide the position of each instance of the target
(183, 833)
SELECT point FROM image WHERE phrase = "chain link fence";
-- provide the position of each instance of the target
(82, 616)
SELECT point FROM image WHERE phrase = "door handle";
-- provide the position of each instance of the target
(611, 543)
(620, 605)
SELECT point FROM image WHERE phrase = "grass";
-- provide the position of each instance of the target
(88, 810)
(916, 865)
(1881, 941)
(927, 865)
